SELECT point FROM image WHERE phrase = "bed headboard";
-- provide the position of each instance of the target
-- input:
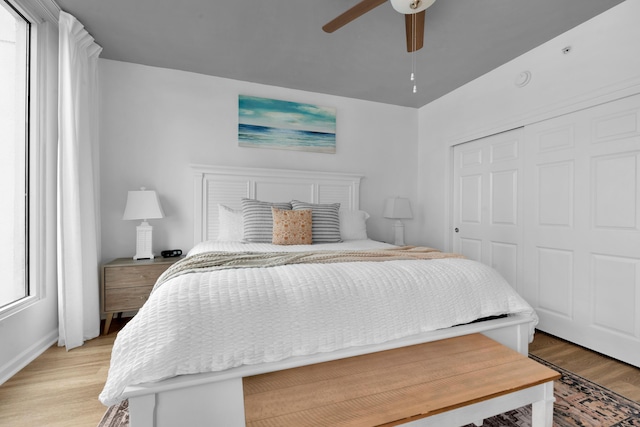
(225, 185)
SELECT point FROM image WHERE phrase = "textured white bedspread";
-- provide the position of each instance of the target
(202, 322)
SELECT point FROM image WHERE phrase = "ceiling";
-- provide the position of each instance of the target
(281, 42)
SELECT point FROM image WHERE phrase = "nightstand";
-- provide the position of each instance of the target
(127, 283)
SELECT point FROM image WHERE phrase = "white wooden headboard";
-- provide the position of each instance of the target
(226, 185)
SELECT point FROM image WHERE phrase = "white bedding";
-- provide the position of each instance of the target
(202, 322)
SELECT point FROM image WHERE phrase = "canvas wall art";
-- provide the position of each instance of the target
(285, 125)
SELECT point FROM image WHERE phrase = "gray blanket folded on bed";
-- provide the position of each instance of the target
(209, 261)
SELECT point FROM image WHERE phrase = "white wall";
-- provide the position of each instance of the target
(603, 65)
(155, 122)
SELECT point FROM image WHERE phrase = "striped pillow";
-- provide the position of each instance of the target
(258, 220)
(325, 225)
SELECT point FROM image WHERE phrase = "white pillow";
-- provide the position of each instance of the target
(230, 227)
(353, 225)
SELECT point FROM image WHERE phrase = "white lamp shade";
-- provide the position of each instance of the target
(397, 208)
(143, 204)
(409, 7)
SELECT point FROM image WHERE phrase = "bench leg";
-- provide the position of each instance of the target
(542, 410)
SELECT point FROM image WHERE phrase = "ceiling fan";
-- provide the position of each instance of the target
(413, 10)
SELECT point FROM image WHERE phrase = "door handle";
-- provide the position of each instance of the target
(456, 229)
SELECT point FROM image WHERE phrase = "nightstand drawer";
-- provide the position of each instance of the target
(126, 298)
(126, 284)
(132, 276)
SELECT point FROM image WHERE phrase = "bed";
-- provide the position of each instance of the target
(239, 306)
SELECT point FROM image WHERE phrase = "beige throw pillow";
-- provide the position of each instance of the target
(291, 227)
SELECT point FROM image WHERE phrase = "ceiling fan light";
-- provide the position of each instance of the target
(409, 7)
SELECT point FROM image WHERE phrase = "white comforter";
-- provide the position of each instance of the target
(202, 322)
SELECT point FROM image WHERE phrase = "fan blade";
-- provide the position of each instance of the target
(351, 14)
(414, 24)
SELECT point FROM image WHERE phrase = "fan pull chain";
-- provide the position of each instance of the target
(413, 72)
(413, 53)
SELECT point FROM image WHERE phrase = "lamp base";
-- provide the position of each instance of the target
(144, 241)
(399, 233)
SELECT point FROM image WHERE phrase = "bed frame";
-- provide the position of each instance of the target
(217, 398)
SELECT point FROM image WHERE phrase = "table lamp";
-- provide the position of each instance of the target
(144, 205)
(398, 208)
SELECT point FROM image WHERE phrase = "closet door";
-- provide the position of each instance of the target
(582, 227)
(487, 207)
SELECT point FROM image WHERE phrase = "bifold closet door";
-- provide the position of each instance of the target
(487, 202)
(582, 227)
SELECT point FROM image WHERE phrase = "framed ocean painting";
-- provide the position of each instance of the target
(285, 125)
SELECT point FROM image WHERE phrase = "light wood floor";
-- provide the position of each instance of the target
(620, 377)
(60, 388)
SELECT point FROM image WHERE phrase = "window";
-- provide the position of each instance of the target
(15, 42)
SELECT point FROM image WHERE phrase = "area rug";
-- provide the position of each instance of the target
(116, 416)
(579, 403)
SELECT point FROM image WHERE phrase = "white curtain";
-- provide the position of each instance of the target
(78, 184)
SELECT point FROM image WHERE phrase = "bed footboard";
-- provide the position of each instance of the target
(198, 405)
(217, 398)
(515, 337)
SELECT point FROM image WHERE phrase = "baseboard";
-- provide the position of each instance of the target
(29, 355)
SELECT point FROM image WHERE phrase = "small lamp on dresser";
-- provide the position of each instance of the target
(144, 205)
(398, 208)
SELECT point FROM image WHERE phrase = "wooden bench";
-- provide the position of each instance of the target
(452, 382)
